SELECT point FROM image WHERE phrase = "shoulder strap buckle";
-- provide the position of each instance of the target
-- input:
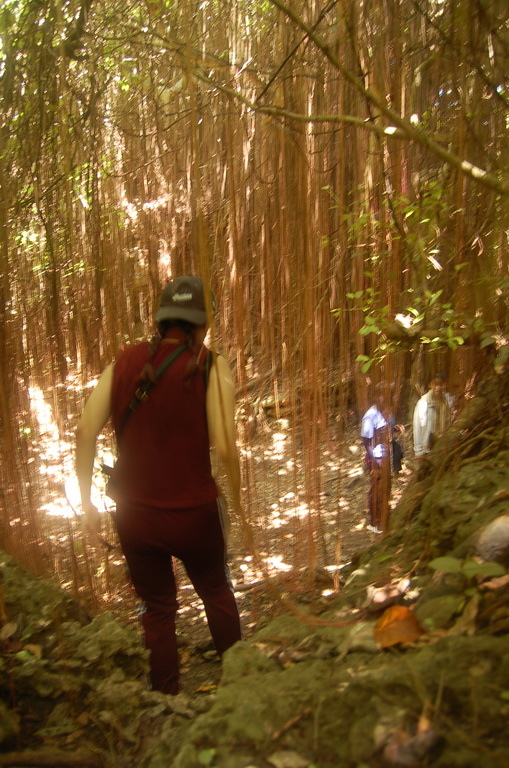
(140, 394)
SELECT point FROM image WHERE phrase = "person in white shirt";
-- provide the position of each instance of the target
(433, 413)
(375, 434)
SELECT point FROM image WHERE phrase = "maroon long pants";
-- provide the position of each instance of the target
(149, 538)
(379, 493)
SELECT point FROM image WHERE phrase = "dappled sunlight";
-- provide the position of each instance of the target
(353, 460)
(55, 457)
(281, 502)
(287, 508)
(249, 570)
(59, 507)
(276, 562)
(327, 507)
(278, 448)
(343, 504)
(304, 521)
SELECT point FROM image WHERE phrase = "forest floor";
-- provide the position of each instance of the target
(361, 656)
(282, 574)
(263, 594)
(281, 579)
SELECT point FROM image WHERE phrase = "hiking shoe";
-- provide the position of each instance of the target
(373, 529)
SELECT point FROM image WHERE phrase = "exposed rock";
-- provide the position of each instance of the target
(493, 542)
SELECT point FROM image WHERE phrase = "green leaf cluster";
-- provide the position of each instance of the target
(469, 568)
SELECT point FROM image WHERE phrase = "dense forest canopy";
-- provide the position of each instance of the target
(337, 170)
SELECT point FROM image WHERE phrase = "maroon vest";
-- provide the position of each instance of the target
(163, 447)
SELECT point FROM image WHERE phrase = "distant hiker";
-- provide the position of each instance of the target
(376, 437)
(168, 408)
(432, 415)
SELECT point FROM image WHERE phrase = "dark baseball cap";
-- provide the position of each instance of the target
(183, 298)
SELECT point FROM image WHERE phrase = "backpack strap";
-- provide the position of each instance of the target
(207, 367)
(143, 390)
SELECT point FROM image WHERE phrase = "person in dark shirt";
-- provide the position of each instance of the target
(168, 504)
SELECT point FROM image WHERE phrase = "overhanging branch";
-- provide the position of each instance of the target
(400, 124)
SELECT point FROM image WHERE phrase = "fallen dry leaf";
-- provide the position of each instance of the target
(398, 624)
(404, 749)
(466, 625)
(35, 650)
(503, 493)
(83, 719)
(496, 583)
(8, 630)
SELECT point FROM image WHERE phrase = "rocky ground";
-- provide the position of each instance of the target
(403, 664)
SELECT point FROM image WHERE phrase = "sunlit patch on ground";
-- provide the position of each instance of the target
(276, 562)
(55, 456)
(305, 522)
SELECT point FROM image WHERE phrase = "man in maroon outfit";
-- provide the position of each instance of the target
(167, 499)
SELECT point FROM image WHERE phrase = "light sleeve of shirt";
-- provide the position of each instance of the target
(367, 426)
(419, 427)
(221, 422)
